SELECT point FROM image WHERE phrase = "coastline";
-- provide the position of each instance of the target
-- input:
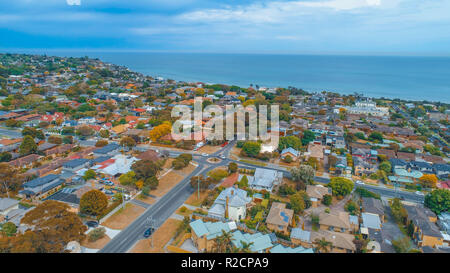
(407, 78)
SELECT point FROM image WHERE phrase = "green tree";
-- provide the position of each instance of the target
(5, 157)
(28, 146)
(323, 246)
(89, 174)
(402, 245)
(251, 148)
(232, 167)
(303, 173)
(244, 182)
(104, 133)
(289, 141)
(326, 200)
(376, 137)
(351, 207)
(9, 229)
(385, 166)
(341, 186)
(297, 202)
(438, 201)
(308, 136)
(128, 178)
(93, 202)
(30, 131)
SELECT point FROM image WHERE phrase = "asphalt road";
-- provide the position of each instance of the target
(170, 202)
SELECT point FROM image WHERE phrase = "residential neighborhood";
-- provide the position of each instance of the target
(90, 144)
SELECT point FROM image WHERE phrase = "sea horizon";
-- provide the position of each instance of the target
(415, 78)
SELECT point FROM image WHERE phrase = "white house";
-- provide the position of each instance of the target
(264, 179)
(234, 201)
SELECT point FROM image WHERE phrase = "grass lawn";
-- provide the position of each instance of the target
(166, 182)
(193, 199)
(187, 212)
(146, 199)
(160, 238)
(123, 217)
(208, 149)
(253, 162)
(167, 165)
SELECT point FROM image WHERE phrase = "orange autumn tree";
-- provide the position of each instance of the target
(160, 131)
(428, 181)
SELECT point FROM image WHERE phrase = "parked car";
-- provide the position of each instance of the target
(148, 232)
(359, 182)
(420, 193)
(109, 192)
(92, 224)
(205, 154)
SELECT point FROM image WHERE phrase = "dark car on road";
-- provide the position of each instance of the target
(92, 224)
(148, 232)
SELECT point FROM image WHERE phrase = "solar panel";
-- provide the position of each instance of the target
(285, 217)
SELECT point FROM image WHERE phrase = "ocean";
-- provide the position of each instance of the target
(410, 78)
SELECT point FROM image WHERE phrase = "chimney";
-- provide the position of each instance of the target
(226, 207)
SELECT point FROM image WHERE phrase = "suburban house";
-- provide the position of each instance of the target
(315, 150)
(316, 193)
(204, 233)
(374, 206)
(442, 170)
(367, 155)
(426, 232)
(7, 205)
(421, 166)
(338, 221)
(293, 153)
(398, 164)
(75, 164)
(405, 176)
(264, 179)
(231, 203)
(109, 149)
(41, 185)
(363, 167)
(279, 217)
(370, 221)
(259, 243)
(341, 242)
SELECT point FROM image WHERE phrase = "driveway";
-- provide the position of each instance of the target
(390, 226)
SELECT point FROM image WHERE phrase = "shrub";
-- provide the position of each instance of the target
(96, 234)
(326, 200)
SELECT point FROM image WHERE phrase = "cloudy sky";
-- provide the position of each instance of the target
(260, 26)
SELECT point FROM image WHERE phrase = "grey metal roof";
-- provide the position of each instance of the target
(75, 162)
(303, 235)
(41, 181)
(107, 149)
(6, 203)
(371, 220)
